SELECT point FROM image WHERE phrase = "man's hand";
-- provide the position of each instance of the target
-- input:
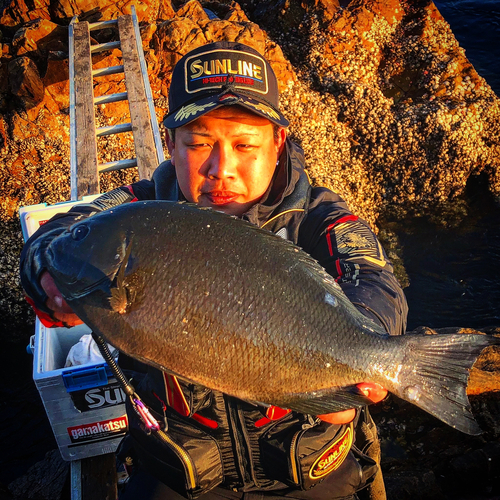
(375, 392)
(56, 303)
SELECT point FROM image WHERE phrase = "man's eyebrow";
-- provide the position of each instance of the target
(199, 132)
(208, 134)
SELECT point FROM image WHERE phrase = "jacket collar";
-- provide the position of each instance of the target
(290, 175)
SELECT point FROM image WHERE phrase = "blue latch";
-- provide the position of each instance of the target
(86, 377)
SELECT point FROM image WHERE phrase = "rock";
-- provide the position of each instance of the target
(178, 36)
(5, 95)
(38, 37)
(193, 10)
(413, 485)
(25, 82)
(482, 380)
(44, 481)
(56, 83)
(18, 12)
(361, 54)
(405, 103)
(165, 10)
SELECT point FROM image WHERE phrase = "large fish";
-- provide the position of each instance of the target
(219, 302)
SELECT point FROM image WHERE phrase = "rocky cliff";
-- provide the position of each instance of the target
(389, 111)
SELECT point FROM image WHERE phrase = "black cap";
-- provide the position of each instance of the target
(222, 74)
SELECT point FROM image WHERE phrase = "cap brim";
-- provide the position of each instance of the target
(194, 110)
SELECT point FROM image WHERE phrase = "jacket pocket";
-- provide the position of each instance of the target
(302, 453)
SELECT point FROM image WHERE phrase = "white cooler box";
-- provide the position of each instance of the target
(85, 404)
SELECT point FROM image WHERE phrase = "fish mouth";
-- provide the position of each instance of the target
(66, 281)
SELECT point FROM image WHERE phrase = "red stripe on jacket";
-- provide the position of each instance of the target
(346, 218)
(177, 401)
(131, 189)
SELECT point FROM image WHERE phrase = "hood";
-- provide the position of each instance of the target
(289, 189)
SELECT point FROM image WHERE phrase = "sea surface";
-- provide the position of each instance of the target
(454, 272)
(476, 25)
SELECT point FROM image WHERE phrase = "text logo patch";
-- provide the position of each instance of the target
(211, 69)
(98, 430)
(98, 397)
(333, 457)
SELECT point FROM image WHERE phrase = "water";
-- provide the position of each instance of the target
(476, 25)
(455, 273)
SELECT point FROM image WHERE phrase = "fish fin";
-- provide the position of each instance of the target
(124, 287)
(437, 373)
(327, 401)
(120, 275)
(118, 300)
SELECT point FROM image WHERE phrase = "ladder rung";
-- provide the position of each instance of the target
(132, 70)
(117, 165)
(113, 129)
(110, 70)
(104, 99)
(101, 47)
(102, 24)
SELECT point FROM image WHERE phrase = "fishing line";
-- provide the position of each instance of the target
(141, 409)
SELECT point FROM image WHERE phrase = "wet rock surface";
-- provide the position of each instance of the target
(45, 480)
(389, 111)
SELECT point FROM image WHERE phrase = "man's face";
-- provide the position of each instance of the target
(226, 159)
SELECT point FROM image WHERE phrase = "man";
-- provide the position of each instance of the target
(229, 151)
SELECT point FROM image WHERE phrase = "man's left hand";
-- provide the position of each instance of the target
(375, 392)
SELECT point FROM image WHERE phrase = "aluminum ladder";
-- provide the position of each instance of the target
(96, 477)
(85, 168)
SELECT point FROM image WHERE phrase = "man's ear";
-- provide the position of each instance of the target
(170, 147)
(280, 141)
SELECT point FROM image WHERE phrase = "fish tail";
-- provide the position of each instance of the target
(437, 373)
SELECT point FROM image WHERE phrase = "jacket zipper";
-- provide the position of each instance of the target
(232, 412)
(293, 448)
(246, 439)
(184, 457)
(293, 459)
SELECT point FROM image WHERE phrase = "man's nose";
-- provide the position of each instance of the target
(222, 163)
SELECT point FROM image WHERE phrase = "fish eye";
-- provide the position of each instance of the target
(80, 232)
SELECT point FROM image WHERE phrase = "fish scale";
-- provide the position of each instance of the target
(222, 303)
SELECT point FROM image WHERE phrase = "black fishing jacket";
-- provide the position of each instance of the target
(216, 440)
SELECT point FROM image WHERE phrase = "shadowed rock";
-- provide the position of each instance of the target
(25, 82)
